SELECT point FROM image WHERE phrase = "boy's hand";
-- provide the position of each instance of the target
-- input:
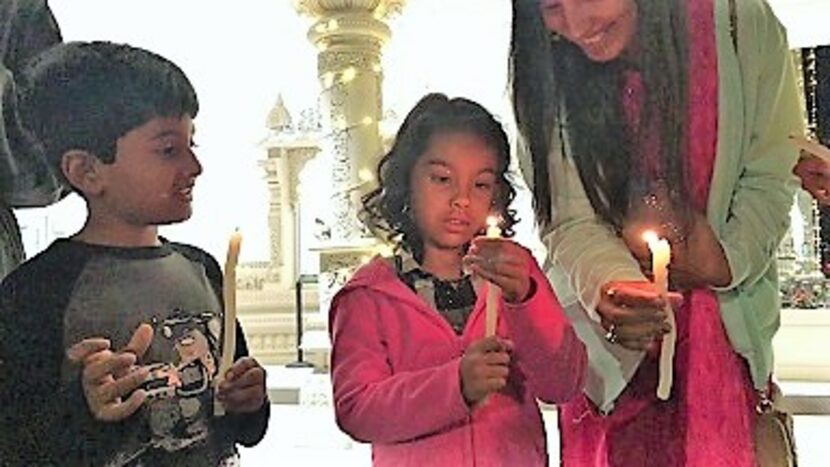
(107, 376)
(502, 262)
(243, 389)
(484, 368)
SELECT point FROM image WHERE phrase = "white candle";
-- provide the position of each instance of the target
(229, 320)
(660, 258)
(493, 291)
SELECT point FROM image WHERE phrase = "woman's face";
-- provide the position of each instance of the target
(603, 29)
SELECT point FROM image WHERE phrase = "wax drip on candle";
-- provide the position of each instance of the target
(660, 258)
(493, 291)
(229, 319)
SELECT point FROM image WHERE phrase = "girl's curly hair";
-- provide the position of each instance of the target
(386, 209)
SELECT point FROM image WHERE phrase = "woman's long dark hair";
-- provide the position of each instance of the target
(386, 210)
(558, 90)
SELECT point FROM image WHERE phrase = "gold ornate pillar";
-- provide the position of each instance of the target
(349, 36)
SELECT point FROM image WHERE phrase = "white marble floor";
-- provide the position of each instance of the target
(305, 434)
(308, 436)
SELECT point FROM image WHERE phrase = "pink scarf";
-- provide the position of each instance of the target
(709, 419)
(719, 399)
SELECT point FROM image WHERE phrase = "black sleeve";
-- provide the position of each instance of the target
(245, 429)
(44, 422)
(27, 27)
(30, 28)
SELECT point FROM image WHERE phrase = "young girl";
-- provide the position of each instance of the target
(412, 371)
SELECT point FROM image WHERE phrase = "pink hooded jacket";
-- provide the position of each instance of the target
(395, 371)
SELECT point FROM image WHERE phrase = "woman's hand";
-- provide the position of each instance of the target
(502, 262)
(633, 313)
(700, 261)
(815, 177)
(696, 261)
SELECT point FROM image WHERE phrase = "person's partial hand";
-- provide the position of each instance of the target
(633, 313)
(108, 377)
(815, 177)
(243, 388)
(502, 262)
(698, 260)
(484, 368)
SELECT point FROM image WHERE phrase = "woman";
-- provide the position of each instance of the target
(671, 115)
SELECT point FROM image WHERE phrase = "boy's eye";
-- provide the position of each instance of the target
(169, 150)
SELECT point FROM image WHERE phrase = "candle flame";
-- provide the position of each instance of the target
(650, 237)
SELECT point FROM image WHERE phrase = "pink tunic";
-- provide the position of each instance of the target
(709, 418)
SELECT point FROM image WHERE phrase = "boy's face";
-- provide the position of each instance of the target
(151, 179)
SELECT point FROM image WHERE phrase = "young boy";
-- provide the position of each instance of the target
(110, 339)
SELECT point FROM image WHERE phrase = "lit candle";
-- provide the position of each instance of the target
(229, 320)
(493, 291)
(660, 258)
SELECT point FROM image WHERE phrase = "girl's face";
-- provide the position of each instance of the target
(453, 185)
(603, 29)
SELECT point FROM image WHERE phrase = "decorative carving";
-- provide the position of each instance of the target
(378, 8)
(278, 118)
(336, 61)
(310, 121)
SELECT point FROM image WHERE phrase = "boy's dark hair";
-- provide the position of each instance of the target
(86, 95)
(386, 209)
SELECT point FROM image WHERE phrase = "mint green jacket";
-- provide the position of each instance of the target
(750, 197)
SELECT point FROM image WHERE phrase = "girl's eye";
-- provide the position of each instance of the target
(484, 186)
(438, 178)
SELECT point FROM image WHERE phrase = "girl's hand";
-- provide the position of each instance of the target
(815, 177)
(484, 368)
(502, 262)
(243, 389)
(633, 313)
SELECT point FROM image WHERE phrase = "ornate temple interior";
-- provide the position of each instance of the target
(300, 99)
